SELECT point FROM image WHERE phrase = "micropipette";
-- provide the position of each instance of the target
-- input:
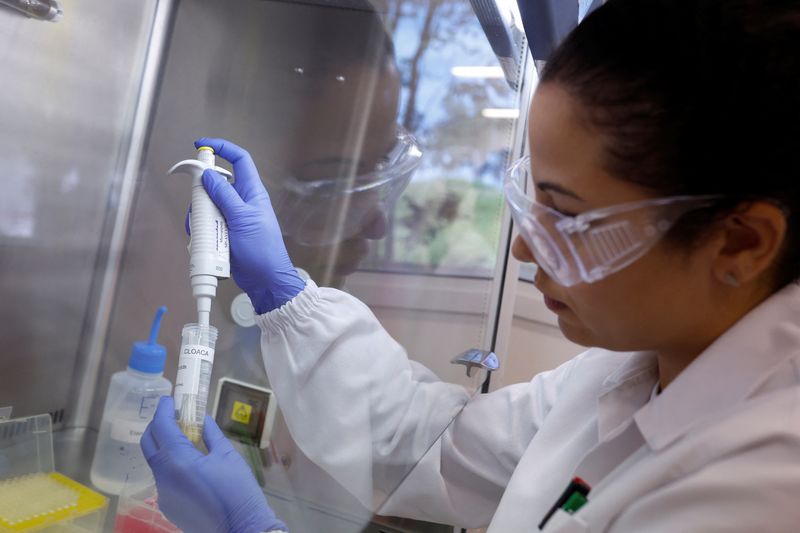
(209, 261)
(208, 248)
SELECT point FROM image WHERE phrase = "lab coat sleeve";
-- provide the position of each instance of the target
(752, 490)
(360, 409)
(463, 476)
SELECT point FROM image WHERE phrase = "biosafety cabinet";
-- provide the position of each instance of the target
(382, 130)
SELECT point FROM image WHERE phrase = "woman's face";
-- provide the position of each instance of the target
(658, 301)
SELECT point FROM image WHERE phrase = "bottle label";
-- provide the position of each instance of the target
(130, 431)
(190, 366)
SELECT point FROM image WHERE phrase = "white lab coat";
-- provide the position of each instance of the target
(717, 451)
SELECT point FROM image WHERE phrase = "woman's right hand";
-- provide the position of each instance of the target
(260, 264)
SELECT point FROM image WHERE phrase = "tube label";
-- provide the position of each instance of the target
(190, 365)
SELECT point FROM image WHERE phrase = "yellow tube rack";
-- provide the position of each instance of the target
(35, 501)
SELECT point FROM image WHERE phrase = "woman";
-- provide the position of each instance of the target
(663, 141)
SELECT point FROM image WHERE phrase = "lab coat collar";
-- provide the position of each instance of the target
(727, 372)
(624, 391)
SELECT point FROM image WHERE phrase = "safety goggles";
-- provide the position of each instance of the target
(595, 244)
(326, 211)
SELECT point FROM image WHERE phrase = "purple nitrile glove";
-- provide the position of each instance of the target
(260, 264)
(200, 493)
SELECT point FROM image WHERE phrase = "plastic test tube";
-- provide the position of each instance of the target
(194, 378)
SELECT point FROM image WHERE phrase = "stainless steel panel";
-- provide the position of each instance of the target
(68, 92)
(116, 224)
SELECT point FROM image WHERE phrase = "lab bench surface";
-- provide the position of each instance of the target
(74, 448)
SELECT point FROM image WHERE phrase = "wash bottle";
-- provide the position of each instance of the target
(130, 404)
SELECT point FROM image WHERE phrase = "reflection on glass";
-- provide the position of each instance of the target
(373, 155)
(18, 203)
(324, 90)
(448, 220)
(327, 211)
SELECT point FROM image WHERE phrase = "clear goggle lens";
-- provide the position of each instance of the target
(591, 246)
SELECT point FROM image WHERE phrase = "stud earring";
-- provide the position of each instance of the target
(731, 280)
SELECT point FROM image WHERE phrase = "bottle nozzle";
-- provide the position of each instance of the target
(156, 324)
(149, 356)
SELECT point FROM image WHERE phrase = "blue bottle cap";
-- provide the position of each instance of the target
(149, 357)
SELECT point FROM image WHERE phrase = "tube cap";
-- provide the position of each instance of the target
(149, 357)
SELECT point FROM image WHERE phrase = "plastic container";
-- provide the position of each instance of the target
(137, 511)
(131, 402)
(194, 378)
(33, 497)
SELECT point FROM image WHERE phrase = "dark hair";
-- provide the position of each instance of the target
(694, 97)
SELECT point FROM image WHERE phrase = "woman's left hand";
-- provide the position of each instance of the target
(212, 493)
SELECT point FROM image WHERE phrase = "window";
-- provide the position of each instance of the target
(457, 102)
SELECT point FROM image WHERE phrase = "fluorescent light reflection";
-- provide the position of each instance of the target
(477, 72)
(500, 112)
